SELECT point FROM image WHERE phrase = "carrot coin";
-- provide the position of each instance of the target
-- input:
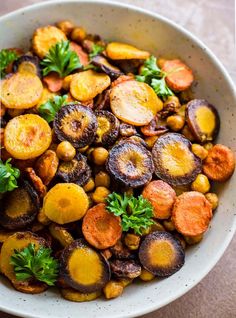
(191, 213)
(83, 56)
(219, 165)
(179, 75)
(101, 228)
(53, 82)
(162, 197)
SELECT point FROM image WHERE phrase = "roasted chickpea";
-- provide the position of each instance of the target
(102, 179)
(208, 145)
(65, 151)
(191, 240)
(66, 26)
(199, 151)
(213, 199)
(169, 225)
(2, 110)
(146, 276)
(175, 122)
(13, 112)
(113, 289)
(174, 101)
(187, 133)
(99, 156)
(66, 82)
(150, 141)
(89, 186)
(2, 136)
(201, 184)
(78, 34)
(100, 194)
(132, 241)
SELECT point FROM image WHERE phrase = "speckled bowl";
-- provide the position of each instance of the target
(162, 37)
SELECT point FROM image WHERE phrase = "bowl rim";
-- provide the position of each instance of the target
(217, 63)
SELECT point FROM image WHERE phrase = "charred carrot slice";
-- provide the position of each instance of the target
(53, 82)
(179, 75)
(191, 213)
(83, 57)
(219, 165)
(101, 228)
(162, 197)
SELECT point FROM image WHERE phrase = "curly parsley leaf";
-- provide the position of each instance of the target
(135, 213)
(49, 109)
(61, 59)
(6, 57)
(37, 264)
(8, 176)
(155, 77)
(96, 50)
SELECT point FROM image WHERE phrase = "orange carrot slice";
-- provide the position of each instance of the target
(83, 56)
(53, 82)
(191, 213)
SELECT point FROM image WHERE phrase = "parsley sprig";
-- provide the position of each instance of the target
(37, 264)
(6, 57)
(8, 176)
(60, 59)
(49, 109)
(96, 50)
(135, 213)
(155, 77)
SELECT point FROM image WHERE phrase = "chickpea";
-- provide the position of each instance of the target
(42, 218)
(175, 122)
(132, 241)
(169, 225)
(100, 194)
(208, 145)
(13, 112)
(191, 240)
(89, 186)
(99, 156)
(65, 151)
(199, 151)
(102, 179)
(78, 34)
(66, 82)
(66, 26)
(146, 276)
(187, 133)
(213, 199)
(2, 136)
(173, 102)
(201, 184)
(2, 110)
(113, 289)
(150, 141)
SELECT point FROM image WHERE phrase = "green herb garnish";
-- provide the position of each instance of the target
(135, 213)
(96, 49)
(155, 77)
(49, 109)
(8, 176)
(61, 59)
(6, 57)
(38, 264)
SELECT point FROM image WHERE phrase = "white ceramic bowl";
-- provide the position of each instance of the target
(162, 37)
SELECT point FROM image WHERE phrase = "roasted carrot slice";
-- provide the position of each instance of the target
(122, 51)
(46, 37)
(27, 136)
(83, 56)
(21, 90)
(134, 102)
(191, 213)
(101, 228)
(219, 165)
(162, 197)
(122, 78)
(179, 75)
(53, 82)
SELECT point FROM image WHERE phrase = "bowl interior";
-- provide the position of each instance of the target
(162, 38)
